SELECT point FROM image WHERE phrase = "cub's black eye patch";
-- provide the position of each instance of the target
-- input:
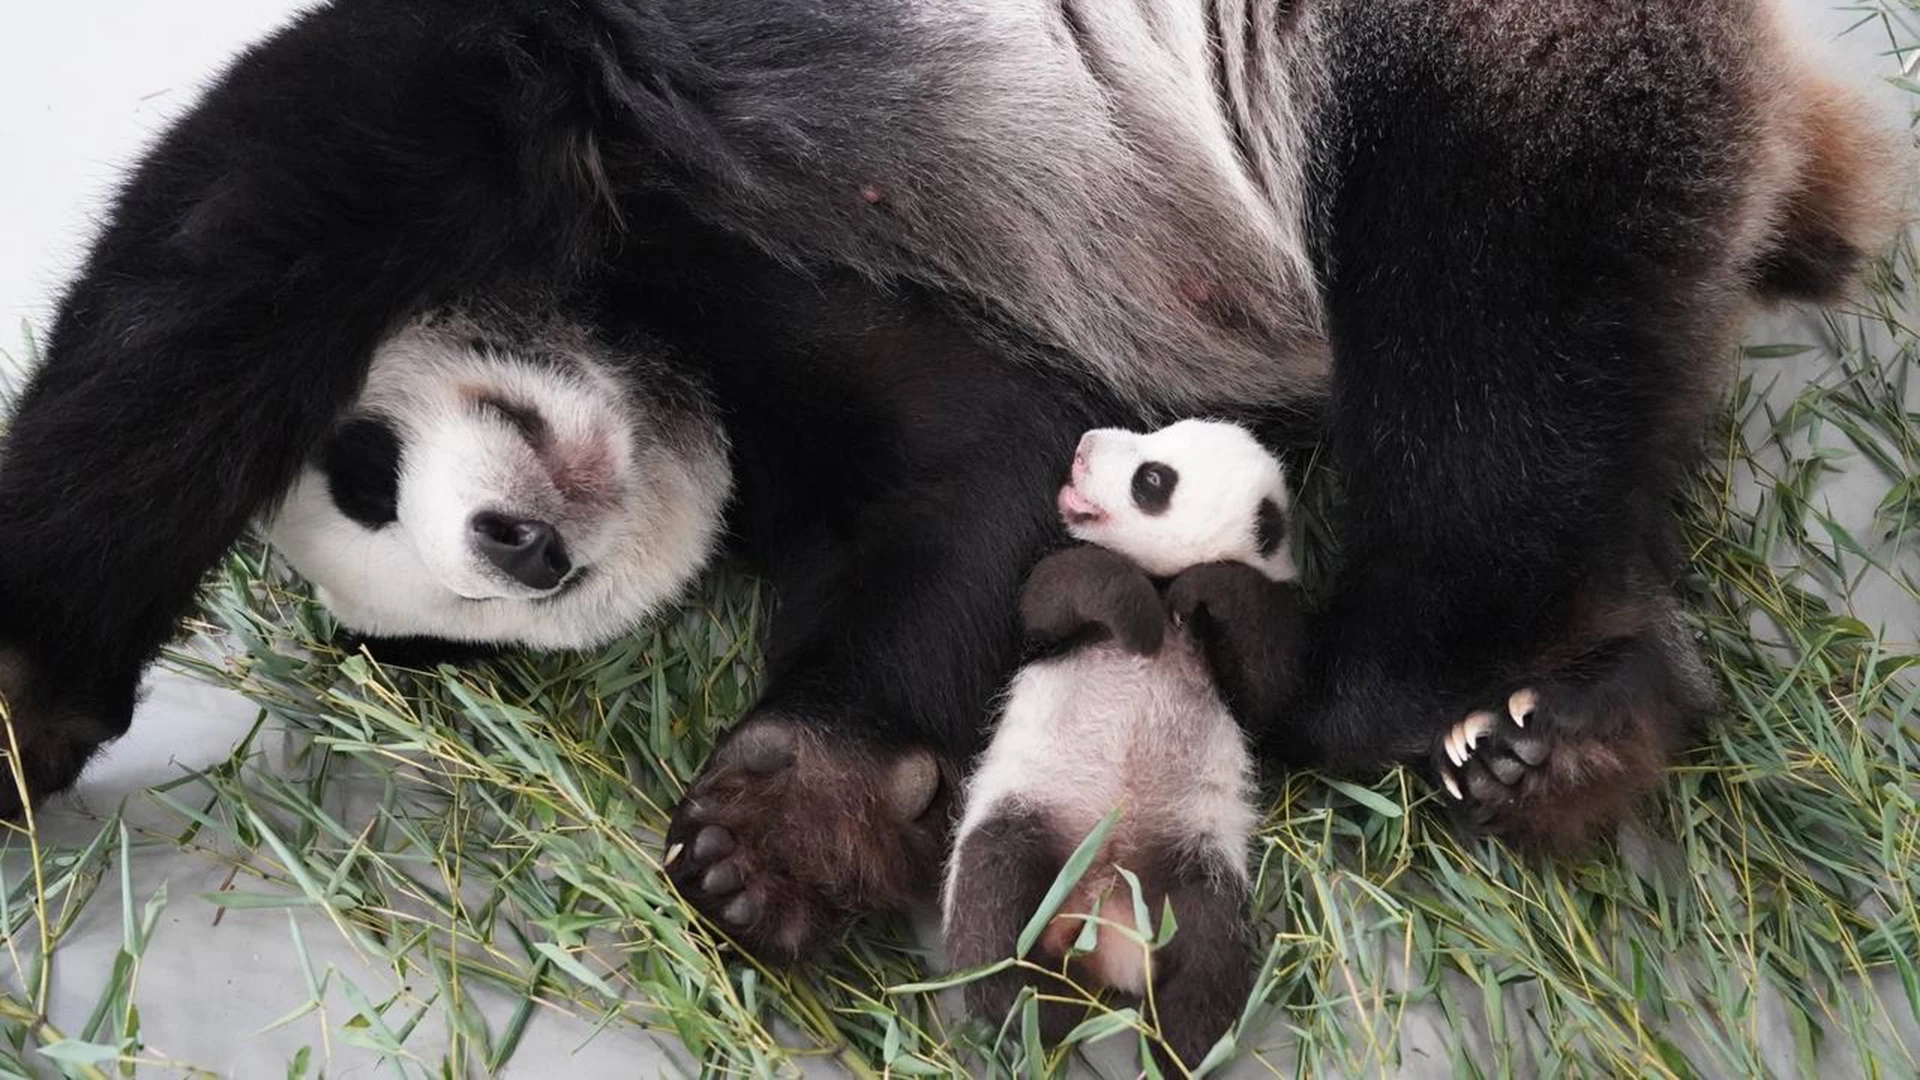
(1270, 527)
(531, 426)
(361, 461)
(1153, 485)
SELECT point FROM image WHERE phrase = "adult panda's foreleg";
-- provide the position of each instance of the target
(353, 168)
(1531, 275)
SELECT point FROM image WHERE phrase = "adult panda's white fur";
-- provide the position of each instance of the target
(538, 421)
(1129, 717)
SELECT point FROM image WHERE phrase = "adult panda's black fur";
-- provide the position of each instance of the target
(914, 249)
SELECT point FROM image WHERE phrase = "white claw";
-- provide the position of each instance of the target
(1452, 785)
(1456, 752)
(1521, 705)
(672, 854)
(1472, 730)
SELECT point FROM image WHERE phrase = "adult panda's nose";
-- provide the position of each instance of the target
(530, 552)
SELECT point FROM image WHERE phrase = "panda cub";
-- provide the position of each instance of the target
(1130, 703)
(508, 480)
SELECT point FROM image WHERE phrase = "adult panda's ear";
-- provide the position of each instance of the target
(1270, 527)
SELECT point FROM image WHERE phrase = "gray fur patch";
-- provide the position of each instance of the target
(1123, 180)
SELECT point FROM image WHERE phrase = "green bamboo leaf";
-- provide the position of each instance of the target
(1070, 874)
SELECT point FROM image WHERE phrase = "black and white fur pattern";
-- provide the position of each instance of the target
(914, 249)
(1122, 712)
(467, 423)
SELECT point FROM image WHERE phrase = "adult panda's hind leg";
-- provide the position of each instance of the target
(1533, 275)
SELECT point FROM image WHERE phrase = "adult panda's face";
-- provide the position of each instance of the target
(1193, 492)
(482, 494)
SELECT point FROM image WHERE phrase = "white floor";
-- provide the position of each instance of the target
(82, 87)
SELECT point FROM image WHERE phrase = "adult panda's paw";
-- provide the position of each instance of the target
(48, 734)
(793, 831)
(1556, 765)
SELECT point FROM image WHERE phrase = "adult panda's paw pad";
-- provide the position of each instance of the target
(792, 832)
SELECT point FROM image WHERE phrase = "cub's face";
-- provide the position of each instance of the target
(1194, 492)
(477, 494)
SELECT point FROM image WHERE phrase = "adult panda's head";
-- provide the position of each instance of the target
(1193, 492)
(534, 487)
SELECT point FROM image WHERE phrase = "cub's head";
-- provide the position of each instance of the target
(1194, 492)
(533, 489)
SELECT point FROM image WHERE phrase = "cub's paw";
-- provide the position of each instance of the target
(47, 738)
(1553, 766)
(1219, 590)
(1250, 629)
(791, 832)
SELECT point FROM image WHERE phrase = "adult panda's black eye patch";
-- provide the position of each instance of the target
(1153, 485)
(361, 461)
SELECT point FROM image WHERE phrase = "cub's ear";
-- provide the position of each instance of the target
(1087, 594)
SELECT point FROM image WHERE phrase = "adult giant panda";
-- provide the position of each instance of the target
(913, 249)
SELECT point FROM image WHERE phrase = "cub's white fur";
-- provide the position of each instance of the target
(634, 486)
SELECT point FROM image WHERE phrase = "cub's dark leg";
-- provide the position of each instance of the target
(1201, 977)
(1204, 975)
(353, 168)
(1531, 272)
(999, 875)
